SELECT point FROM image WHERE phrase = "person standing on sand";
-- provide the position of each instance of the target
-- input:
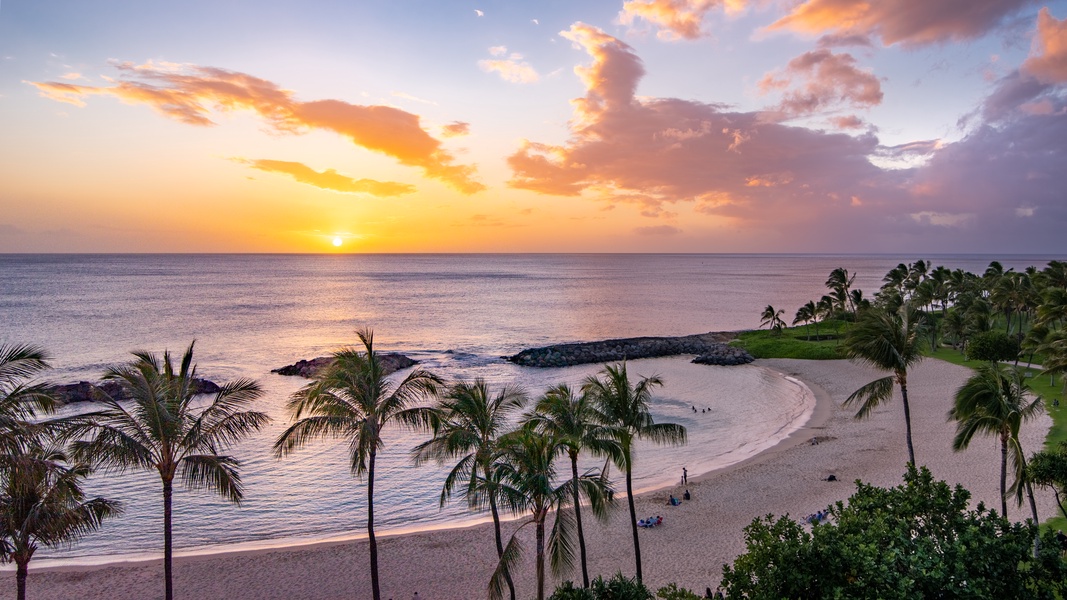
(685, 476)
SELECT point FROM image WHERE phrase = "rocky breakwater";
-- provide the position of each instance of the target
(309, 368)
(84, 391)
(710, 348)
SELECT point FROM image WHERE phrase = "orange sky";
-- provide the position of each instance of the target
(636, 126)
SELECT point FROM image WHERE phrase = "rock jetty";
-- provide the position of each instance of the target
(84, 391)
(391, 362)
(711, 348)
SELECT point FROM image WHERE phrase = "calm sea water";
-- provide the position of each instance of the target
(458, 314)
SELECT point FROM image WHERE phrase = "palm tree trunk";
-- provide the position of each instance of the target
(168, 539)
(500, 542)
(373, 543)
(633, 521)
(1004, 475)
(902, 379)
(541, 557)
(578, 518)
(1033, 504)
(20, 578)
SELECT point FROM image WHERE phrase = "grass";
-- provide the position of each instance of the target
(790, 344)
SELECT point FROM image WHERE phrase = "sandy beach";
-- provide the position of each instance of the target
(689, 548)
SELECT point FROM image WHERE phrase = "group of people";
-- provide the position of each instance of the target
(650, 522)
(675, 502)
(816, 518)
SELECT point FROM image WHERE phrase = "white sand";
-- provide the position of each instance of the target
(689, 548)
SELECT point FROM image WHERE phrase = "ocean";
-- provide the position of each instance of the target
(456, 314)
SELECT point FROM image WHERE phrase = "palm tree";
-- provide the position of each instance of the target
(468, 423)
(888, 341)
(352, 400)
(840, 283)
(625, 407)
(163, 428)
(772, 319)
(42, 503)
(21, 402)
(526, 464)
(576, 424)
(993, 401)
(804, 315)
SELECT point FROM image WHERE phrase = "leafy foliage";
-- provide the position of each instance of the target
(917, 540)
(1049, 469)
(671, 591)
(620, 587)
(993, 346)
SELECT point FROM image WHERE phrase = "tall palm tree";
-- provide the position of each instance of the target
(625, 407)
(468, 423)
(351, 399)
(526, 464)
(163, 427)
(42, 503)
(21, 402)
(889, 341)
(840, 283)
(993, 401)
(576, 424)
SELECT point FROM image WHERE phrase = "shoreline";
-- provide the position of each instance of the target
(688, 549)
(819, 412)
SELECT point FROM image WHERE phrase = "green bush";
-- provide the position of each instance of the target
(922, 539)
(567, 591)
(620, 587)
(671, 591)
(993, 346)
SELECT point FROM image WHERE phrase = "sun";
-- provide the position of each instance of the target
(337, 241)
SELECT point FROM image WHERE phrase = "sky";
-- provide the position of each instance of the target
(741, 126)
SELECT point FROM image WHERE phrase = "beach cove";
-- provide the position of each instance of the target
(689, 548)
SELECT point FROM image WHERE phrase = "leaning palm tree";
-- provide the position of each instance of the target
(526, 464)
(889, 341)
(164, 427)
(42, 503)
(625, 408)
(468, 423)
(351, 399)
(772, 319)
(994, 401)
(21, 402)
(576, 424)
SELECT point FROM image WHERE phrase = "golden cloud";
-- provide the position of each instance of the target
(330, 179)
(191, 94)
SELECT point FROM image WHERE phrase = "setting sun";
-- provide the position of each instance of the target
(337, 241)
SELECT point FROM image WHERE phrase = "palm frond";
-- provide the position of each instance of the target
(871, 396)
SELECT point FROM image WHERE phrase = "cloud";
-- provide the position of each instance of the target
(676, 19)
(510, 67)
(455, 129)
(329, 179)
(809, 190)
(479, 13)
(820, 80)
(909, 23)
(658, 230)
(72, 76)
(191, 94)
(1048, 61)
(407, 96)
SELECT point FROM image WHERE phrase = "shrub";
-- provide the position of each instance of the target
(567, 591)
(993, 346)
(671, 591)
(620, 587)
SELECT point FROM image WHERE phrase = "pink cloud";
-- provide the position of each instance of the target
(676, 19)
(455, 129)
(813, 190)
(1048, 61)
(658, 230)
(820, 80)
(905, 22)
(191, 94)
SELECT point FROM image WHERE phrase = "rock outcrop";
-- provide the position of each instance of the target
(724, 355)
(308, 368)
(84, 391)
(711, 345)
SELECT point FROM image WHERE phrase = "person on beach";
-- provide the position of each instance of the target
(687, 496)
(685, 476)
